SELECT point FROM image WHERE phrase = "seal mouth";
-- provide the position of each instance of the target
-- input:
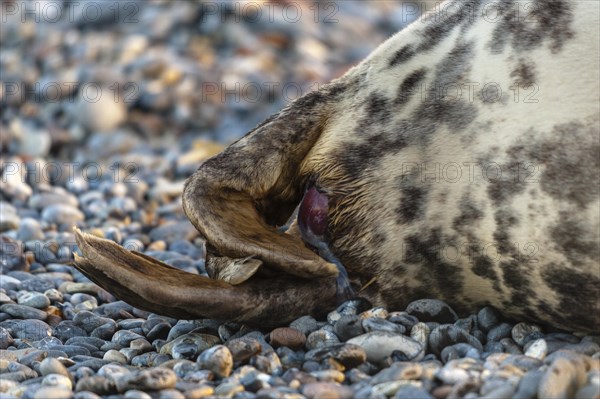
(313, 222)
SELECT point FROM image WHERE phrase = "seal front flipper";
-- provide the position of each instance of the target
(231, 196)
(232, 271)
(154, 286)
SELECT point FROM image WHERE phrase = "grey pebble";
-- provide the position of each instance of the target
(348, 326)
(32, 330)
(412, 392)
(499, 332)
(380, 344)
(6, 339)
(62, 214)
(347, 354)
(147, 379)
(124, 337)
(449, 334)
(379, 324)
(487, 318)
(23, 312)
(321, 338)
(29, 229)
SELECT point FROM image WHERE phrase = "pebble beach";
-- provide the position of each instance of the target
(105, 109)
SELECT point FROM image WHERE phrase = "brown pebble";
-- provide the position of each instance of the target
(287, 336)
(243, 349)
(442, 392)
(559, 381)
(326, 390)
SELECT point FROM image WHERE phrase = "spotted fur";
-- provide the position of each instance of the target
(490, 197)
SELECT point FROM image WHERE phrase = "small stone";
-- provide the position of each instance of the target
(347, 354)
(499, 332)
(377, 312)
(432, 310)
(538, 349)
(286, 336)
(559, 381)
(320, 339)
(420, 333)
(448, 334)
(487, 318)
(6, 339)
(199, 392)
(521, 330)
(412, 392)
(399, 371)
(242, 349)
(62, 214)
(228, 389)
(326, 390)
(305, 324)
(153, 379)
(54, 295)
(51, 365)
(36, 284)
(115, 356)
(217, 359)
(103, 114)
(173, 232)
(29, 229)
(201, 342)
(380, 324)
(23, 312)
(57, 380)
(380, 344)
(97, 384)
(31, 330)
(8, 220)
(124, 337)
(348, 326)
(184, 350)
(34, 300)
(528, 385)
(52, 392)
(90, 321)
(135, 394)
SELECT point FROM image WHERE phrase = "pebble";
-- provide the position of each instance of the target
(329, 390)
(53, 366)
(448, 334)
(34, 300)
(200, 342)
(347, 354)
(23, 312)
(321, 338)
(538, 349)
(286, 336)
(305, 324)
(217, 359)
(380, 344)
(522, 330)
(62, 214)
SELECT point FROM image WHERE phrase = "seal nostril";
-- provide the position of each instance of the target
(312, 215)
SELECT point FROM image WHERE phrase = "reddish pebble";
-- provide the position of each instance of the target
(287, 336)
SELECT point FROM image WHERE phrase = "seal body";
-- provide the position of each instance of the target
(460, 160)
